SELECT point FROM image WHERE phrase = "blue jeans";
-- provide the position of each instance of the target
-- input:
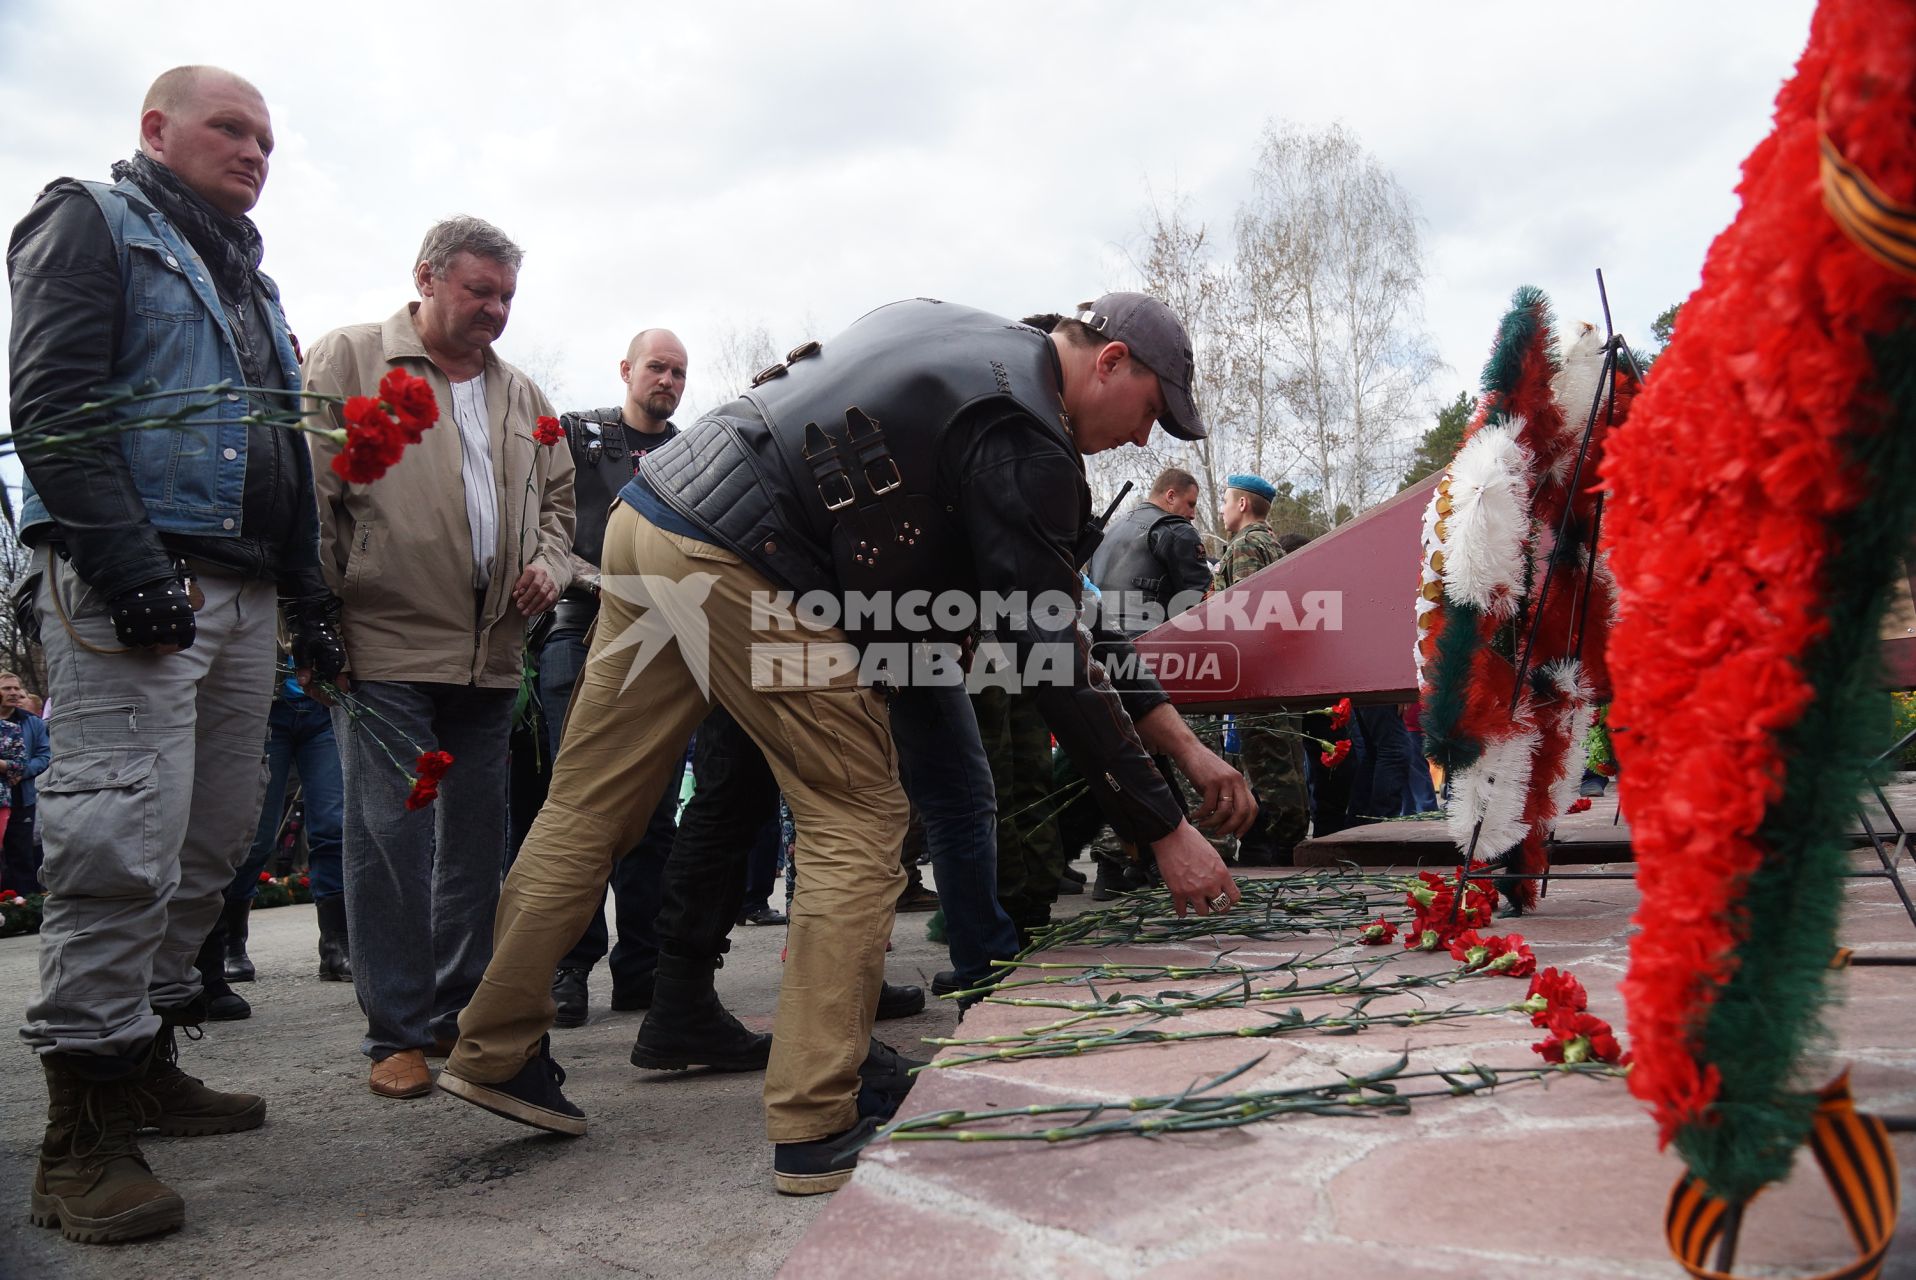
(635, 887)
(941, 761)
(299, 732)
(761, 865)
(1380, 763)
(421, 884)
(1421, 797)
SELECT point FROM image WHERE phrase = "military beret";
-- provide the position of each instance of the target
(1252, 484)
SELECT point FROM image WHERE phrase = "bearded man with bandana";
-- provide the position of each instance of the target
(161, 560)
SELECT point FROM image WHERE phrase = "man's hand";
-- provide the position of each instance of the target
(316, 689)
(156, 616)
(1228, 807)
(1193, 872)
(534, 592)
(313, 629)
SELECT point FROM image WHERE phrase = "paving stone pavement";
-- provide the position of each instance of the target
(1564, 1181)
(674, 1179)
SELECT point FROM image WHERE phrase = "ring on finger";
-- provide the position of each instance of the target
(1221, 903)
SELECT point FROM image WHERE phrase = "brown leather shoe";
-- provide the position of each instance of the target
(402, 1075)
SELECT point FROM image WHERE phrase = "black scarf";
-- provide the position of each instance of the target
(230, 247)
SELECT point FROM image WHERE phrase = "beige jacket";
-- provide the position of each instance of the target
(399, 550)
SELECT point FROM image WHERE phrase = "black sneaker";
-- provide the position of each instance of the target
(570, 994)
(898, 1001)
(532, 1097)
(824, 1164)
(764, 913)
(884, 1078)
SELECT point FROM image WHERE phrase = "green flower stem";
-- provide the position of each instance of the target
(1288, 1022)
(357, 712)
(1199, 1108)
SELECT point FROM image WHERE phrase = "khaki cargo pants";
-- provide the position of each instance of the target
(682, 608)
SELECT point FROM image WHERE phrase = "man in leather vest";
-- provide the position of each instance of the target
(1151, 563)
(607, 445)
(158, 556)
(929, 449)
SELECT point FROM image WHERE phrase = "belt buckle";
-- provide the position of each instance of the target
(833, 482)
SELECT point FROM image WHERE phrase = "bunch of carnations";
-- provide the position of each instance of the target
(379, 429)
(1559, 1004)
(1507, 954)
(428, 770)
(1438, 917)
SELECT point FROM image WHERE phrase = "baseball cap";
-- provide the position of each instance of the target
(1157, 338)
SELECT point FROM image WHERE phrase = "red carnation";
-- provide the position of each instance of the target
(1340, 714)
(1464, 944)
(430, 767)
(1509, 955)
(373, 442)
(1335, 756)
(266, 877)
(1560, 992)
(411, 401)
(1377, 933)
(1579, 1037)
(1438, 920)
(1578, 805)
(547, 431)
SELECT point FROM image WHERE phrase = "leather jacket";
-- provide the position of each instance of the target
(970, 482)
(106, 292)
(605, 455)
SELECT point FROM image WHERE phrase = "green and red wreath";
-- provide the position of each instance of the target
(1760, 496)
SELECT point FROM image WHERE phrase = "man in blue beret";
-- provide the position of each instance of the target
(1273, 752)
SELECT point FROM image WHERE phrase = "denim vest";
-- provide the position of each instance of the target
(176, 335)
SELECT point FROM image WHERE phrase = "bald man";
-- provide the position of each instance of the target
(606, 447)
(159, 556)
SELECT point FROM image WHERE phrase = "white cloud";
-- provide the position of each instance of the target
(724, 164)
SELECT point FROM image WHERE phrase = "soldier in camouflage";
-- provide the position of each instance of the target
(1272, 746)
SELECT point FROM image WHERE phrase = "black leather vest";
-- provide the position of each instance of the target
(1124, 562)
(605, 453)
(825, 474)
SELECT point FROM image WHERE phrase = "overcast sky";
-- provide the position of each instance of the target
(710, 166)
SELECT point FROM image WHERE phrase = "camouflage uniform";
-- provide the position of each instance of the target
(1271, 753)
(1030, 855)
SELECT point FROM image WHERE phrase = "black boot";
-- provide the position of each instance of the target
(233, 919)
(335, 958)
(688, 1027)
(223, 1004)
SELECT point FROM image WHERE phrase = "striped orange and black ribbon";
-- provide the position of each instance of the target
(1854, 1152)
(1883, 228)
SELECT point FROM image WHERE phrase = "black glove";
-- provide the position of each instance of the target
(153, 614)
(312, 624)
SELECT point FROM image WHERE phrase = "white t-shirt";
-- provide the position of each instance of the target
(475, 469)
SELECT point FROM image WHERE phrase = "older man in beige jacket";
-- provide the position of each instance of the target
(440, 564)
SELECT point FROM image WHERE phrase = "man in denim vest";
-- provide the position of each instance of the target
(161, 555)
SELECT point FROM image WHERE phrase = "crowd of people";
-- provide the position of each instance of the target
(200, 591)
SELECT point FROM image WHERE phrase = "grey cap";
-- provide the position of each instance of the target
(1157, 338)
